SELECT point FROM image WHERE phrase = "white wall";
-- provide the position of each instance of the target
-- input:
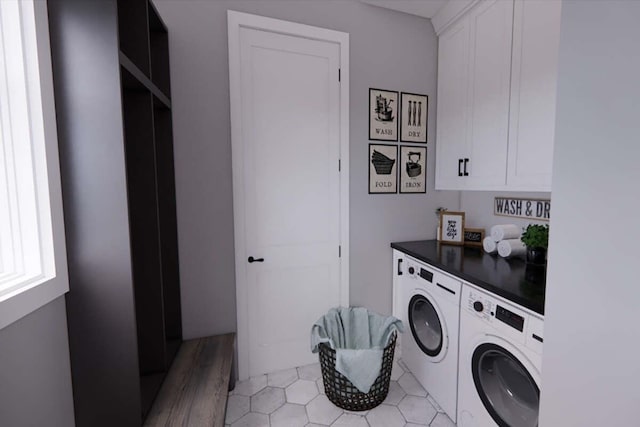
(591, 364)
(35, 375)
(389, 50)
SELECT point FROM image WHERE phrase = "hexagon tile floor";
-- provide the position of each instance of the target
(295, 398)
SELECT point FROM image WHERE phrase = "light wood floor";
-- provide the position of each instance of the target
(195, 390)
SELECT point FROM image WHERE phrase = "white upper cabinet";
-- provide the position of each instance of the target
(536, 37)
(496, 96)
(491, 24)
(453, 79)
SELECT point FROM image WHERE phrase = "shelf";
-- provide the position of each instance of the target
(168, 226)
(148, 139)
(159, 51)
(197, 384)
(137, 104)
(133, 29)
(124, 315)
(137, 75)
(149, 387)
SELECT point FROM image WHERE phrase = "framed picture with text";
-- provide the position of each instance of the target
(383, 176)
(413, 119)
(452, 228)
(383, 115)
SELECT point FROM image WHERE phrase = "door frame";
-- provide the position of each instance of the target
(235, 22)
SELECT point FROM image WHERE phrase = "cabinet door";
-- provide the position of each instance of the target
(491, 25)
(453, 78)
(536, 38)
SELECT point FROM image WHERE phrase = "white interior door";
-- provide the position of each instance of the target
(290, 135)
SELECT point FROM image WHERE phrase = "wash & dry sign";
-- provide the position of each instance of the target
(539, 209)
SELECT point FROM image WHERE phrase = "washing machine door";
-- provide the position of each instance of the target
(427, 326)
(505, 386)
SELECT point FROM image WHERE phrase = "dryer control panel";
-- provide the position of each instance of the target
(481, 306)
(507, 319)
(489, 310)
(510, 318)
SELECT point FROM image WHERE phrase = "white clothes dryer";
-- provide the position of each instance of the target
(429, 347)
(500, 362)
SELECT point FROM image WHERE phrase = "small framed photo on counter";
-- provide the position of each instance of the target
(452, 228)
(473, 236)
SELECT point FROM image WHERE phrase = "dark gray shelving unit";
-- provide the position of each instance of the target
(113, 101)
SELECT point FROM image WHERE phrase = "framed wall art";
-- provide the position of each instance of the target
(383, 163)
(413, 169)
(452, 228)
(383, 115)
(413, 120)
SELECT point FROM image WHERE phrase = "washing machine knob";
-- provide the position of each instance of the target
(478, 306)
(412, 270)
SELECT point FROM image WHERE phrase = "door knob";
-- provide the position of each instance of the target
(252, 259)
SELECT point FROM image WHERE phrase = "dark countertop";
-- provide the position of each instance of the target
(512, 279)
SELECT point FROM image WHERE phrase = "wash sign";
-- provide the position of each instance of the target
(538, 209)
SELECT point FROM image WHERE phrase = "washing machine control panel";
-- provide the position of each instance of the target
(412, 269)
(432, 280)
(415, 270)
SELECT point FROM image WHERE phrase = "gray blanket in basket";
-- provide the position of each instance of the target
(359, 337)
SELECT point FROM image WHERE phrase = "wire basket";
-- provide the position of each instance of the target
(343, 393)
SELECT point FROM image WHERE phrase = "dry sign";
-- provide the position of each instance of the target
(538, 209)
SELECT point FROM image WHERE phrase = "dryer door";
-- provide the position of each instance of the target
(427, 327)
(505, 386)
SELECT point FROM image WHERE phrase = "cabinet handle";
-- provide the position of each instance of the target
(460, 167)
(466, 161)
(399, 267)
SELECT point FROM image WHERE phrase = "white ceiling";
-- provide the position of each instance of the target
(424, 8)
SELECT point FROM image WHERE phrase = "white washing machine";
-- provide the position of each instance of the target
(500, 362)
(429, 347)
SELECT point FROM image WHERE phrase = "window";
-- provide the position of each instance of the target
(32, 253)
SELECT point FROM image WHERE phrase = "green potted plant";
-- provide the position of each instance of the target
(536, 238)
